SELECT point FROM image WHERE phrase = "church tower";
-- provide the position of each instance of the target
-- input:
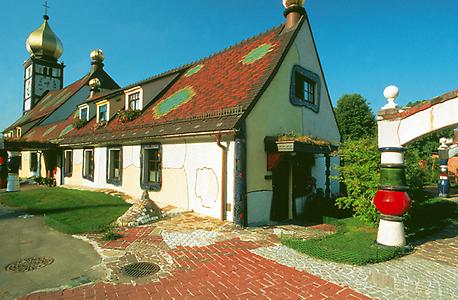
(42, 71)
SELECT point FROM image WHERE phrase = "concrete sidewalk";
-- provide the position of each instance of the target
(29, 237)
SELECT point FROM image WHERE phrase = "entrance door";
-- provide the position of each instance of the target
(302, 189)
(50, 157)
(280, 198)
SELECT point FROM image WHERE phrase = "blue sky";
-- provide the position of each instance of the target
(364, 45)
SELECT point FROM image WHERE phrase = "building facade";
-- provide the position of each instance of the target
(244, 135)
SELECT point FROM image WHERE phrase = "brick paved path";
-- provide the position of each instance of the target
(203, 258)
(224, 270)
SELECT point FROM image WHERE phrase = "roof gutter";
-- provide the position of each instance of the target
(170, 136)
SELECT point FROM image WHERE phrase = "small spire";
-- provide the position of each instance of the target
(45, 5)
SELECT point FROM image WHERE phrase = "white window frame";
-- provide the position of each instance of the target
(18, 131)
(100, 104)
(130, 92)
(80, 110)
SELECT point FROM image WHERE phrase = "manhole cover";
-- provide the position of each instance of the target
(140, 269)
(29, 264)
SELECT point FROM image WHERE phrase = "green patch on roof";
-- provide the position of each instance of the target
(49, 130)
(193, 70)
(64, 97)
(46, 102)
(66, 130)
(179, 98)
(257, 54)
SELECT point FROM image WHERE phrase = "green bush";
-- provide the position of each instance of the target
(79, 123)
(360, 173)
(48, 181)
(128, 115)
(111, 236)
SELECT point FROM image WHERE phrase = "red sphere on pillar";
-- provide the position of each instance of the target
(392, 203)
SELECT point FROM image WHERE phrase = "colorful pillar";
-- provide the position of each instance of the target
(391, 200)
(444, 183)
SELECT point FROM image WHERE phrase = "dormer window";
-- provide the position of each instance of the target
(84, 113)
(134, 99)
(305, 88)
(18, 131)
(103, 111)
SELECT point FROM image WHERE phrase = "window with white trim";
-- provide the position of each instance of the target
(84, 113)
(102, 113)
(134, 101)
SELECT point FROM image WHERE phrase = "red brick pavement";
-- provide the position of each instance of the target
(225, 270)
(130, 236)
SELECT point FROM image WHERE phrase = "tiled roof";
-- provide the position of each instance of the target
(50, 132)
(210, 94)
(50, 102)
(424, 105)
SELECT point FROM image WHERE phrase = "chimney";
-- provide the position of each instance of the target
(94, 84)
(97, 58)
(294, 10)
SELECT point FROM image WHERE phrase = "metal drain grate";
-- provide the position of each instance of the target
(29, 264)
(140, 269)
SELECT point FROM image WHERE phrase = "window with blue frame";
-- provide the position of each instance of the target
(151, 161)
(305, 88)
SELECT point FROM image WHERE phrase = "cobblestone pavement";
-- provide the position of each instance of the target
(203, 258)
(442, 248)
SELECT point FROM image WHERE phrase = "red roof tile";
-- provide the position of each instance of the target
(50, 102)
(226, 83)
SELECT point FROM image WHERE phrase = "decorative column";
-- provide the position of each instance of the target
(240, 197)
(444, 183)
(13, 171)
(391, 200)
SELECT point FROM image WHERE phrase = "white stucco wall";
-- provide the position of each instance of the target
(24, 172)
(191, 175)
(274, 114)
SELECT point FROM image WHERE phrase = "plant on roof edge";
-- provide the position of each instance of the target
(128, 115)
(79, 123)
(101, 124)
(291, 136)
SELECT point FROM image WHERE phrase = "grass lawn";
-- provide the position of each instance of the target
(428, 216)
(69, 211)
(354, 241)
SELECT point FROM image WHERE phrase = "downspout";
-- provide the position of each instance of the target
(223, 175)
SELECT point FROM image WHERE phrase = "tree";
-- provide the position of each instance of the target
(360, 174)
(355, 118)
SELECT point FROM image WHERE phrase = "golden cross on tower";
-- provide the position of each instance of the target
(45, 5)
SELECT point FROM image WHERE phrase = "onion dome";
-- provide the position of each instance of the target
(288, 3)
(97, 55)
(43, 42)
